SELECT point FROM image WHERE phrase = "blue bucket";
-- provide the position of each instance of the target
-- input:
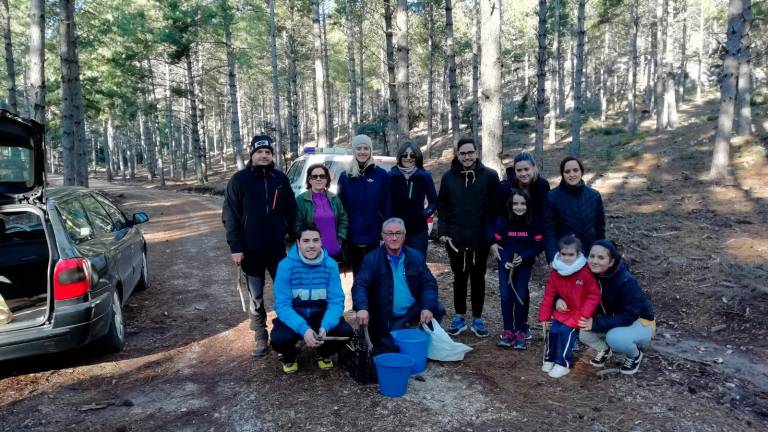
(415, 343)
(393, 370)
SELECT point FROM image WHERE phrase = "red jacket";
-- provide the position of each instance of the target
(580, 292)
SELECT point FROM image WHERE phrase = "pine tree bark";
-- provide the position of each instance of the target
(475, 74)
(555, 73)
(401, 36)
(328, 85)
(320, 106)
(578, 72)
(699, 72)
(541, 78)
(37, 60)
(450, 54)
(193, 123)
(275, 87)
(430, 74)
(351, 71)
(744, 91)
(661, 42)
(392, 125)
(669, 100)
(604, 77)
(634, 26)
(237, 143)
(719, 169)
(683, 47)
(444, 99)
(106, 127)
(490, 65)
(169, 122)
(292, 95)
(10, 65)
(361, 51)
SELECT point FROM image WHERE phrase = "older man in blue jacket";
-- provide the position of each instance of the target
(394, 288)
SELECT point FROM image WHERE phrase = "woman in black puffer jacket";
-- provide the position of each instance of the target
(573, 208)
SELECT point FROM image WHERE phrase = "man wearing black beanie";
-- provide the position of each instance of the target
(259, 210)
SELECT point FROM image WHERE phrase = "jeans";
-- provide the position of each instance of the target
(560, 344)
(283, 339)
(256, 308)
(620, 339)
(515, 300)
(468, 264)
(418, 241)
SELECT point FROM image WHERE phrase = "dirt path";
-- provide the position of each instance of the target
(186, 366)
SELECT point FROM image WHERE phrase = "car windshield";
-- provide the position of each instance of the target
(16, 165)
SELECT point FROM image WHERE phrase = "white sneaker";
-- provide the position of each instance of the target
(559, 371)
(547, 366)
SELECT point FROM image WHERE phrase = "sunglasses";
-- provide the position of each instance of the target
(408, 155)
(317, 177)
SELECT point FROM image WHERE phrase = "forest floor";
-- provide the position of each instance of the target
(699, 250)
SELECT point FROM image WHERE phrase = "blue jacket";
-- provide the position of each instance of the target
(622, 301)
(408, 198)
(367, 202)
(374, 286)
(303, 290)
(517, 238)
(574, 210)
(538, 191)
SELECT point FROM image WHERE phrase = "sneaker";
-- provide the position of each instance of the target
(458, 325)
(291, 367)
(600, 358)
(478, 327)
(324, 363)
(520, 343)
(547, 366)
(631, 365)
(260, 349)
(507, 339)
(559, 371)
(528, 335)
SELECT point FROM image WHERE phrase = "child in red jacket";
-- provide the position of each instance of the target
(570, 280)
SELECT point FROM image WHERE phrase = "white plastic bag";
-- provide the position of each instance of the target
(441, 346)
(5, 312)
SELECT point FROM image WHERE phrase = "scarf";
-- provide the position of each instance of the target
(564, 269)
(313, 262)
(407, 172)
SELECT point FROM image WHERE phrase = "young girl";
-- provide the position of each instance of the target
(517, 242)
(572, 281)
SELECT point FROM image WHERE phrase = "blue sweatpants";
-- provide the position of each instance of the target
(560, 344)
(515, 301)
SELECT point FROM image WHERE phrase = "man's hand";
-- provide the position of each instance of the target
(561, 305)
(310, 337)
(362, 317)
(495, 251)
(237, 258)
(585, 324)
(322, 333)
(426, 316)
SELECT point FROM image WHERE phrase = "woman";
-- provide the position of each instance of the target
(317, 205)
(573, 208)
(524, 175)
(624, 318)
(411, 185)
(364, 191)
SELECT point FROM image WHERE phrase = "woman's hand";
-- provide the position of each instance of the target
(495, 251)
(585, 324)
(516, 260)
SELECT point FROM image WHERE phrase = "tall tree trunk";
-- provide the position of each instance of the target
(169, 121)
(721, 155)
(430, 73)
(555, 72)
(578, 73)
(634, 26)
(560, 63)
(320, 106)
(401, 19)
(475, 126)
(392, 125)
(275, 87)
(328, 85)
(361, 50)
(10, 66)
(353, 112)
(444, 99)
(669, 100)
(450, 55)
(661, 42)
(683, 46)
(292, 95)
(490, 64)
(744, 92)
(604, 77)
(541, 78)
(237, 143)
(202, 124)
(701, 50)
(37, 60)
(193, 120)
(107, 127)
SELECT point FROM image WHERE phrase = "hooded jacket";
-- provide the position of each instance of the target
(538, 191)
(467, 205)
(408, 198)
(580, 292)
(305, 290)
(576, 210)
(259, 210)
(367, 202)
(622, 301)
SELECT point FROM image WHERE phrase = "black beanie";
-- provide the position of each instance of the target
(612, 248)
(260, 142)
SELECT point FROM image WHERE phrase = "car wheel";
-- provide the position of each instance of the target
(143, 283)
(114, 340)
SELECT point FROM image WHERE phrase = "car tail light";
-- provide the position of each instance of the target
(71, 278)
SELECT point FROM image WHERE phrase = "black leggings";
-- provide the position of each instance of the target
(468, 264)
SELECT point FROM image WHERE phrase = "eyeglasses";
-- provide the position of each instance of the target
(408, 155)
(395, 234)
(467, 153)
(317, 177)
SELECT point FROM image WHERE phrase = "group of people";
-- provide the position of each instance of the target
(377, 225)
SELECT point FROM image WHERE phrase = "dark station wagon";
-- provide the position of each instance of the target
(69, 257)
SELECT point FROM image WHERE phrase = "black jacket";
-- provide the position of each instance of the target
(259, 210)
(574, 210)
(538, 191)
(467, 205)
(622, 301)
(408, 198)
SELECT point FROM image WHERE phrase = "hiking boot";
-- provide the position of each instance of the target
(547, 366)
(601, 358)
(260, 349)
(507, 339)
(520, 343)
(458, 325)
(291, 367)
(478, 327)
(559, 371)
(324, 363)
(631, 365)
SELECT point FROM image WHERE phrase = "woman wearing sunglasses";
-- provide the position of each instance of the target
(319, 206)
(411, 187)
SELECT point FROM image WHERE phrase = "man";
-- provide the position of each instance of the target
(467, 207)
(394, 288)
(309, 302)
(259, 211)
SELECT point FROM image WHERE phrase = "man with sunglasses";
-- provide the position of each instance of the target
(467, 208)
(394, 288)
(258, 213)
